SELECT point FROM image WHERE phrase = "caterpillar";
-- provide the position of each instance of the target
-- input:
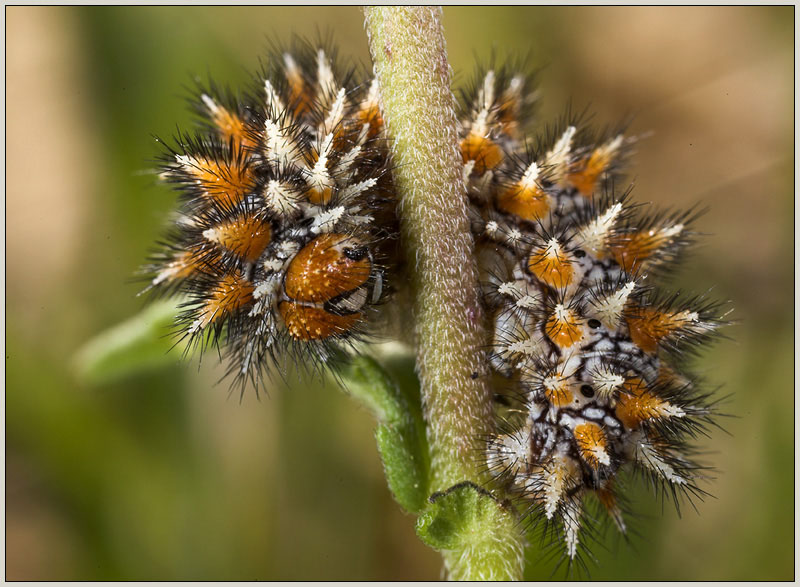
(285, 217)
(283, 247)
(590, 346)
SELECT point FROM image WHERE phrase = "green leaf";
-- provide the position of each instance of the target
(400, 433)
(139, 344)
(479, 537)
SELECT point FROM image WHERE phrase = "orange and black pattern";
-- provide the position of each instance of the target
(590, 347)
(280, 249)
(286, 207)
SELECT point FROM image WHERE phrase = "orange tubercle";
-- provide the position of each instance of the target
(244, 237)
(636, 404)
(508, 112)
(529, 203)
(328, 266)
(607, 499)
(231, 293)
(632, 250)
(482, 150)
(299, 98)
(552, 265)
(592, 444)
(182, 266)
(649, 326)
(563, 328)
(312, 323)
(232, 127)
(228, 183)
(586, 173)
(370, 113)
(319, 197)
(559, 394)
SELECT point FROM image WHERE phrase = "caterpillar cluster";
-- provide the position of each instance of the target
(278, 246)
(283, 243)
(590, 347)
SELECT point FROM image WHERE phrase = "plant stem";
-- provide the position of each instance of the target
(410, 59)
(479, 538)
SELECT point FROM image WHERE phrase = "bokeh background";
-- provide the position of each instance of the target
(161, 475)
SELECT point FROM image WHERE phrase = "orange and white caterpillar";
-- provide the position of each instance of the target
(278, 245)
(282, 247)
(589, 345)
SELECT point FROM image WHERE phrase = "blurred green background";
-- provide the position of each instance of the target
(162, 475)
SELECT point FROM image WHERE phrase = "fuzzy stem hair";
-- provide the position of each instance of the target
(408, 51)
(410, 59)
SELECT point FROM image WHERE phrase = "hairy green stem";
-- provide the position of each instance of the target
(408, 51)
(410, 59)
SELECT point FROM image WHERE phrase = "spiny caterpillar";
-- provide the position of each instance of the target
(283, 243)
(285, 209)
(590, 347)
